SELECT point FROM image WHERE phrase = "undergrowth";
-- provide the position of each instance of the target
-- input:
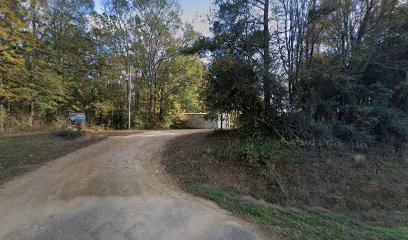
(303, 191)
(300, 224)
(68, 134)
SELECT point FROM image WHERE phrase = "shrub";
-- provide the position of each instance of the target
(257, 150)
(68, 134)
(349, 133)
(321, 131)
(390, 123)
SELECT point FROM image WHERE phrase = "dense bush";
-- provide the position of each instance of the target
(68, 134)
(349, 133)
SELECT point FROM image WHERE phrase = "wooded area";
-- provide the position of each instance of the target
(318, 68)
(59, 56)
(316, 90)
(291, 68)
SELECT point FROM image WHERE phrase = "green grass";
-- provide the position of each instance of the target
(293, 223)
(20, 152)
(68, 134)
(391, 164)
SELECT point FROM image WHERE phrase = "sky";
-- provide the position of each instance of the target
(194, 12)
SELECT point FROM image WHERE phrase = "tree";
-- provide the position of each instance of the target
(233, 87)
(181, 85)
(158, 23)
(321, 56)
(12, 36)
(244, 28)
(147, 35)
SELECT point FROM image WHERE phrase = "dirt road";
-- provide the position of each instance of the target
(115, 189)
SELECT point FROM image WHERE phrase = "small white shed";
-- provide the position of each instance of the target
(199, 120)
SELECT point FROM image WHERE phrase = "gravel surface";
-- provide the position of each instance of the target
(114, 189)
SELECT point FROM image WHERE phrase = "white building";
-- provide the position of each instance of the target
(199, 120)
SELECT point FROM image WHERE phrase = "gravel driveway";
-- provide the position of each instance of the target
(115, 189)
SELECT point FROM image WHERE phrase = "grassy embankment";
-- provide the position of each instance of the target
(306, 194)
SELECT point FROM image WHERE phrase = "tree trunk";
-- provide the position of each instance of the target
(154, 96)
(161, 114)
(2, 110)
(267, 61)
(137, 101)
(2, 116)
(150, 105)
(31, 118)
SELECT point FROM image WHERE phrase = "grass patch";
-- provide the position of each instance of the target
(20, 153)
(19, 150)
(390, 164)
(300, 224)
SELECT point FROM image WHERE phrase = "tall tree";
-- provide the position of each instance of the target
(320, 56)
(159, 22)
(12, 37)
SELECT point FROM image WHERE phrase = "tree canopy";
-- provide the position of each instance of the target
(332, 67)
(293, 68)
(60, 56)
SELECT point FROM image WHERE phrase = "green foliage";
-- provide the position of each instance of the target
(2, 112)
(258, 151)
(12, 23)
(289, 79)
(182, 91)
(232, 86)
(68, 134)
(60, 56)
(327, 82)
(387, 122)
(348, 133)
(320, 130)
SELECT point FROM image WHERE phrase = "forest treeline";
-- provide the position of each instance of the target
(290, 68)
(312, 68)
(61, 56)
